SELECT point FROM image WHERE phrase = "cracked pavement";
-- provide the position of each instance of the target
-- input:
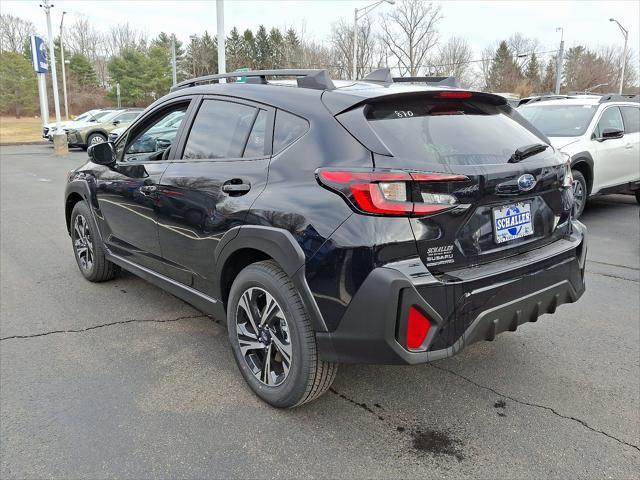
(123, 380)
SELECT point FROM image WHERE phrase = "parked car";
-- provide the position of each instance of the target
(92, 132)
(358, 222)
(601, 133)
(169, 126)
(49, 129)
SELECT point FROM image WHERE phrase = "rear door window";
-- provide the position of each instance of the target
(255, 144)
(220, 130)
(631, 116)
(448, 131)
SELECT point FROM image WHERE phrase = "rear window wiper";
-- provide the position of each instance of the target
(527, 151)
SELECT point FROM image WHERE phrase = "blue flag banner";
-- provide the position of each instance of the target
(39, 54)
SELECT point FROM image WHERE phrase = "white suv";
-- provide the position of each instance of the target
(601, 133)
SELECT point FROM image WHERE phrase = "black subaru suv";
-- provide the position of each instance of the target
(376, 221)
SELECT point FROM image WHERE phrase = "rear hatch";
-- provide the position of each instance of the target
(500, 203)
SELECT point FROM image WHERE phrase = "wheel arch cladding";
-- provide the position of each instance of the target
(583, 162)
(247, 244)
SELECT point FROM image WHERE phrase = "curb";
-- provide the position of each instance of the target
(33, 142)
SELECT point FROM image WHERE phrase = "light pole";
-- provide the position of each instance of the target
(358, 14)
(64, 76)
(60, 146)
(625, 32)
(174, 76)
(559, 62)
(222, 68)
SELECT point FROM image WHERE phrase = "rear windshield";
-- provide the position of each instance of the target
(448, 131)
(559, 120)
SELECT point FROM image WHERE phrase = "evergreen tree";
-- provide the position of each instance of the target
(233, 47)
(277, 48)
(248, 49)
(81, 72)
(532, 73)
(548, 83)
(504, 74)
(18, 88)
(263, 49)
(291, 47)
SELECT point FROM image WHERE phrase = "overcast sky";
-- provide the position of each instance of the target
(480, 22)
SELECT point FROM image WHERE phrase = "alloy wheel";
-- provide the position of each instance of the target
(82, 242)
(263, 336)
(96, 139)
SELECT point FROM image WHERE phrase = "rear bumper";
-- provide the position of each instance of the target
(464, 307)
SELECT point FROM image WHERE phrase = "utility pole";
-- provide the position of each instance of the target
(64, 76)
(174, 75)
(625, 32)
(363, 11)
(560, 62)
(60, 146)
(222, 67)
(118, 95)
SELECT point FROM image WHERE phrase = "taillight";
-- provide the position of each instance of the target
(418, 326)
(388, 192)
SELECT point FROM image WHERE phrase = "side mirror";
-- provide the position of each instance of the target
(609, 133)
(116, 122)
(102, 153)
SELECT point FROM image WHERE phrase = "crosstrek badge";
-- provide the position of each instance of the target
(512, 221)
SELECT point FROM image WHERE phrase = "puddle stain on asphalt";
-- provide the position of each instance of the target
(437, 443)
(502, 405)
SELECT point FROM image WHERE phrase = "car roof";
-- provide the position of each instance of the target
(346, 94)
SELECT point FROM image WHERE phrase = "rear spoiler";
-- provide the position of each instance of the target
(338, 102)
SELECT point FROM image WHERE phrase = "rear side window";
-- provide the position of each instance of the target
(448, 131)
(220, 130)
(288, 129)
(631, 116)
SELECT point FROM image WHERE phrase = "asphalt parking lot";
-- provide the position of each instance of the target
(123, 380)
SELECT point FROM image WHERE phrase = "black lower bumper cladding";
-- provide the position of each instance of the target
(476, 305)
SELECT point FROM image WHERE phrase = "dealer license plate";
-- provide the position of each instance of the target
(512, 221)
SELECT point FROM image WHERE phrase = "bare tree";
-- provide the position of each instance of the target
(409, 33)
(453, 60)
(122, 36)
(14, 33)
(522, 47)
(485, 66)
(341, 40)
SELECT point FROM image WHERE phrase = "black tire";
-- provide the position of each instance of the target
(638, 196)
(308, 377)
(580, 193)
(95, 138)
(98, 269)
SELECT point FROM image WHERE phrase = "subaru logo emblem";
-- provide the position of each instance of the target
(526, 182)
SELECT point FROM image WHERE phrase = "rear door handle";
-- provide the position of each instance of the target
(628, 145)
(235, 187)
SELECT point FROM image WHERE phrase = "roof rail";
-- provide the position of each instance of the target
(317, 79)
(619, 98)
(383, 75)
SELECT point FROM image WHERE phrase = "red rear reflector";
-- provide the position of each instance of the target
(418, 326)
(454, 95)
